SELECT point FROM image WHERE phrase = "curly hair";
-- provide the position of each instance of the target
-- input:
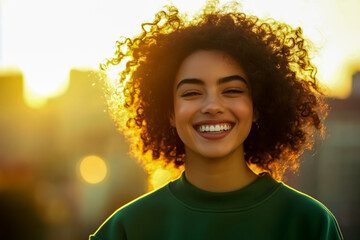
(286, 94)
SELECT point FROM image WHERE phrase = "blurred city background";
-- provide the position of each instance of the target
(64, 168)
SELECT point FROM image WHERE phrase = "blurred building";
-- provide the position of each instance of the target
(329, 173)
(18, 123)
(40, 152)
(339, 161)
(79, 125)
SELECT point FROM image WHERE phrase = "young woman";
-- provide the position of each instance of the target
(232, 99)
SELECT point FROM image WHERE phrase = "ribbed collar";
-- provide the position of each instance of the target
(247, 197)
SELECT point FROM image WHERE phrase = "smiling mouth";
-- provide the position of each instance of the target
(214, 128)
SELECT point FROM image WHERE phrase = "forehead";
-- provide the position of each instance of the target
(209, 65)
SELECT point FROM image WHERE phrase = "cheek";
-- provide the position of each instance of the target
(183, 112)
(182, 117)
(244, 109)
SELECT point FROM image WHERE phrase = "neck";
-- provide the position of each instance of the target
(224, 174)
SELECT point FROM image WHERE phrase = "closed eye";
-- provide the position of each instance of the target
(233, 91)
(190, 94)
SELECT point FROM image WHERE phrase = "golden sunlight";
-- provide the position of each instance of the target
(93, 169)
(45, 39)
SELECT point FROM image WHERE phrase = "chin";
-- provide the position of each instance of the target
(216, 154)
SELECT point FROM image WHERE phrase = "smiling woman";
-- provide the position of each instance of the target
(233, 100)
(274, 58)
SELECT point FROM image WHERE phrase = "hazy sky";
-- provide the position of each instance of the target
(46, 38)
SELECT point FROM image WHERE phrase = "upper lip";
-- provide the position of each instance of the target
(213, 122)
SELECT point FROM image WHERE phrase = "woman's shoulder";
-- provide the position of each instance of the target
(303, 210)
(143, 209)
(147, 202)
(298, 200)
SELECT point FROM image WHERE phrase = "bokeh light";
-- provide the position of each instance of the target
(93, 169)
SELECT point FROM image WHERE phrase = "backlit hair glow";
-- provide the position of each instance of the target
(284, 87)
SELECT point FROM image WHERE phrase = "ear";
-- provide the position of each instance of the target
(172, 120)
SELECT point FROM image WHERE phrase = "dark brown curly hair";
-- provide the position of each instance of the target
(284, 87)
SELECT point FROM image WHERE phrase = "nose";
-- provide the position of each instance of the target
(212, 105)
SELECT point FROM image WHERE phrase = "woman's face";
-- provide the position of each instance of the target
(213, 110)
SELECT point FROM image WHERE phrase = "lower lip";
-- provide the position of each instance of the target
(214, 135)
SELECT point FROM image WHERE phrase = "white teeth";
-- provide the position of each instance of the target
(214, 128)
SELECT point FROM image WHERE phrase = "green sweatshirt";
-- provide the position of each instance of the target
(265, 209)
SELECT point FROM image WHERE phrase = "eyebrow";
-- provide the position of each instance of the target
(220, 81)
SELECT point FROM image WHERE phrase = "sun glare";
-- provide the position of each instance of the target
(39, 85)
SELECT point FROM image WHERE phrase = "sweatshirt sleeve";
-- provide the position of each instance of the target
(330, 229)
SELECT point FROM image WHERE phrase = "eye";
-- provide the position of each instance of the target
(233, 91)
(190, 94)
